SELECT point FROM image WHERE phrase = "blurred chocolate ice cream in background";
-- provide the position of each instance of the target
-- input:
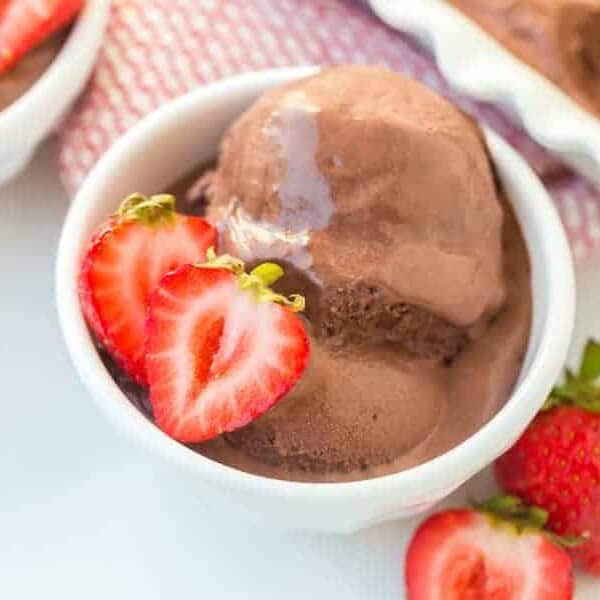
(559, 38)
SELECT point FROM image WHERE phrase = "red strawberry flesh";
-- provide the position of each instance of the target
(465, 555)
(123, 265)
(216, 357)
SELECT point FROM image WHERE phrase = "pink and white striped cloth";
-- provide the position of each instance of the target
(156, 50)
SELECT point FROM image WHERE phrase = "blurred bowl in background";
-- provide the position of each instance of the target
(33, 116)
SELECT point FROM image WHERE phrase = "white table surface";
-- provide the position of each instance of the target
(83, 515)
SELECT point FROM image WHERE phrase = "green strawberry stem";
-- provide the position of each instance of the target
(153, 210)
(512, 511)
(268, 273)
(581, 389)
(258, 282)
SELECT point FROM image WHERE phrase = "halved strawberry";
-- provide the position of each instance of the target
(126, 259)
(26, 23)
(222, 348)
(498, 552)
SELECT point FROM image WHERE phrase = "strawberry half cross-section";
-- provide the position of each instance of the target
(222, 347)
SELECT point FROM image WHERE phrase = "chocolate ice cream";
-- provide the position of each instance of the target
(360, 173)
(29, 69)
(560, 38)
(378, 198)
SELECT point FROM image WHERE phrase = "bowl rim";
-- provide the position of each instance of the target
(88, 25)
(439, 474)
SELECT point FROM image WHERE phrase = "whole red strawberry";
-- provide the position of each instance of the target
(556, 463)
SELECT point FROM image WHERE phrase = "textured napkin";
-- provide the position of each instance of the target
(156, 50)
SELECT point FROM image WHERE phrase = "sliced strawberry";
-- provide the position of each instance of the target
(126, 259)
(469, 555)
(26, 23)
(221, 349)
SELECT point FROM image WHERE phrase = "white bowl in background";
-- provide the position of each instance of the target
(185, 133)
(28, 120)
(477, 65)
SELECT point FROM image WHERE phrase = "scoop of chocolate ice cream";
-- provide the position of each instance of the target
(325, 426)
(362, 314)
(367, 314)
(357, 174)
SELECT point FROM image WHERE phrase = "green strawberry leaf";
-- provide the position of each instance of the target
(515, 511)
(589, 400)
(590, 362)
(583, 389)
(523, 517)
(584, 394)
(552, 401)
(149, 211)
(567, 541)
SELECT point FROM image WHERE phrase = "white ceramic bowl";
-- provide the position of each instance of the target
(26, 122)
(169, 143)
(482, 68)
